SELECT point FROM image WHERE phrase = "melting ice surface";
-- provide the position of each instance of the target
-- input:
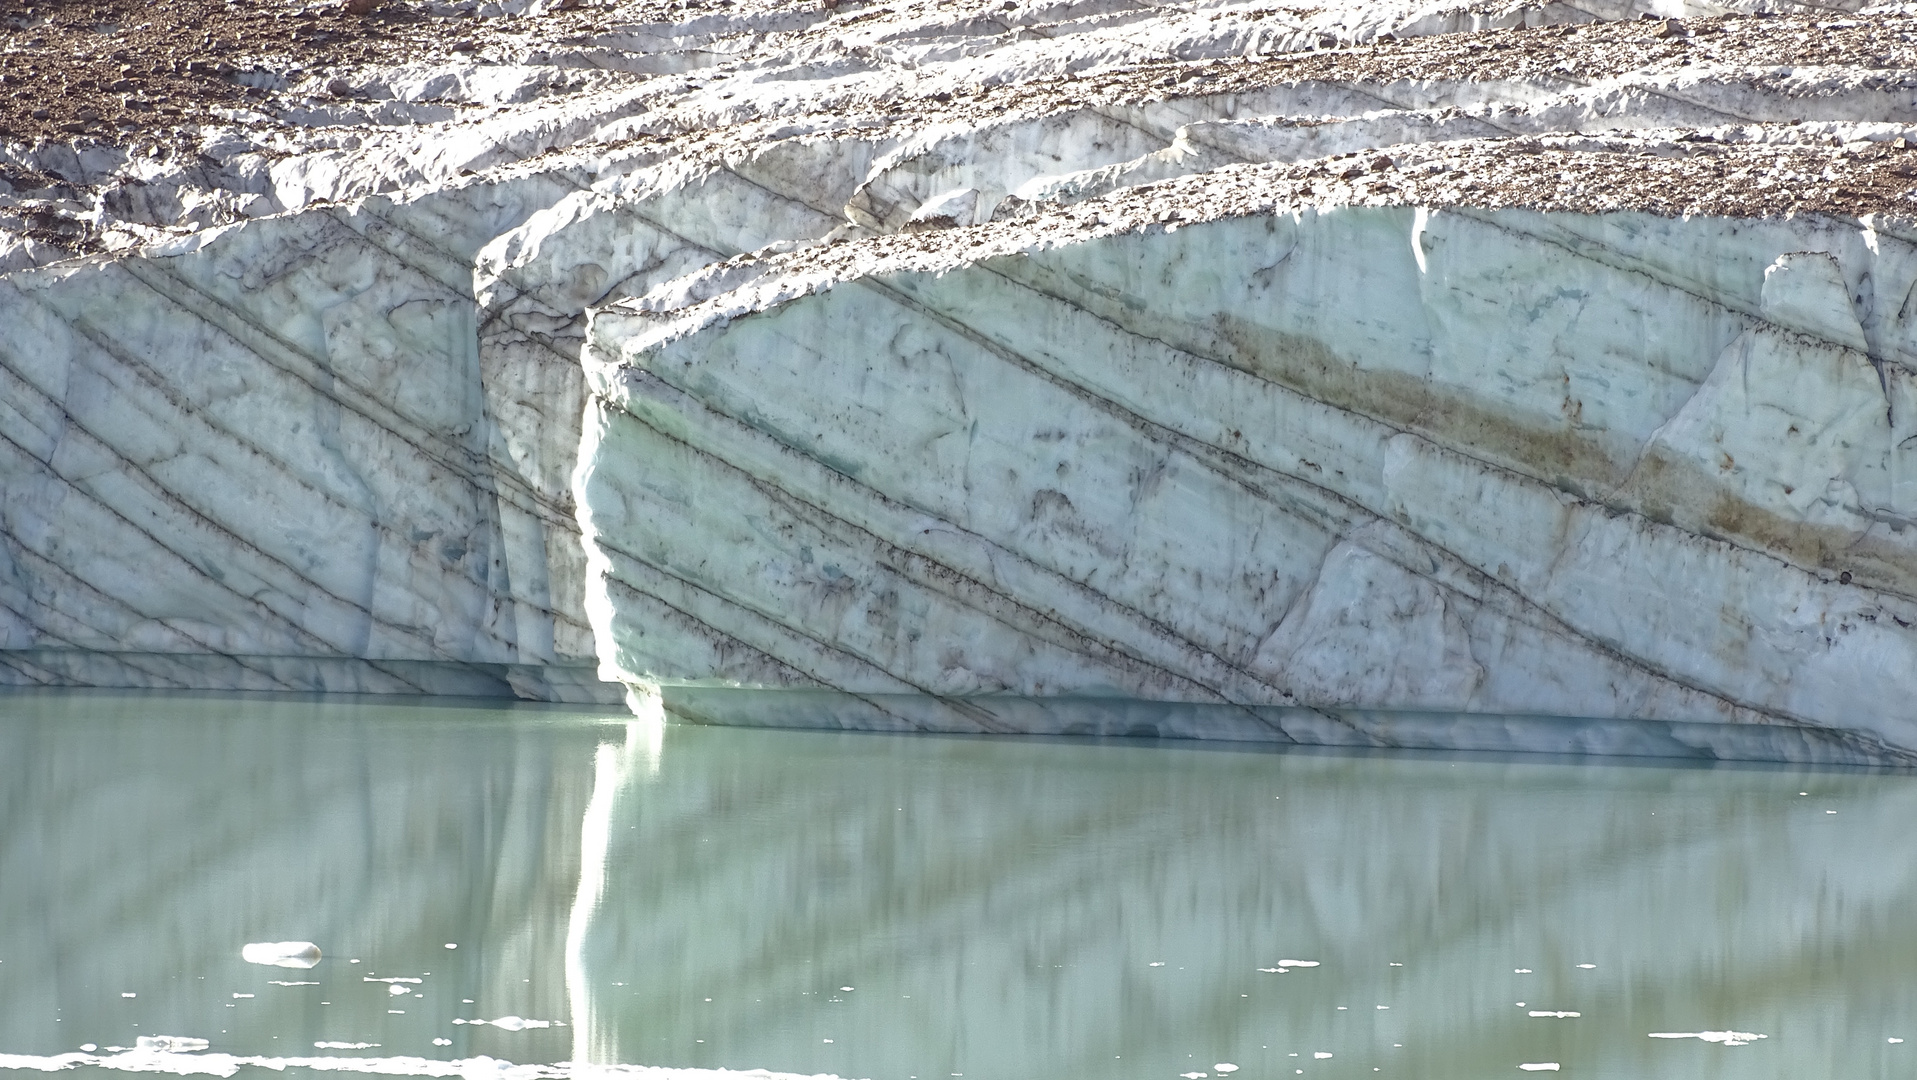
(634, 900)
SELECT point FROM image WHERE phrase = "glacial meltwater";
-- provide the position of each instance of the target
(519, 891)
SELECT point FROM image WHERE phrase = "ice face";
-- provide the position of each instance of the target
(1369, 367)
(1266, 459)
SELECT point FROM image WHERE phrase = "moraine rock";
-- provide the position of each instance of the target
(1205, 371)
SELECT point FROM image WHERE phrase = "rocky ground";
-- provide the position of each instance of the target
(124, 123)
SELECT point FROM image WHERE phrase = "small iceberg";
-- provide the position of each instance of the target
(168, 1044)
(286, 954)
(1727, 1038)
(510, 1023)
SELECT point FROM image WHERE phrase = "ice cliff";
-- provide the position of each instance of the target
(1199, 369)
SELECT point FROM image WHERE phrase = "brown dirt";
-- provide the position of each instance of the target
(1704, 178)
(1563, 175)
(103, 68)
(1882, 49)
(1569, 55)
(142, 71)
(1599, 50)
(108, 70)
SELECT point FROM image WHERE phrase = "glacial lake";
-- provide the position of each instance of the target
(619, 892)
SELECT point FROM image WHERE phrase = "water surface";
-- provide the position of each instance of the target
(908, 907)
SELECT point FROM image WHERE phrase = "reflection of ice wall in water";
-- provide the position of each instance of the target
(613, 766)
(1019, 894)
(147, 840)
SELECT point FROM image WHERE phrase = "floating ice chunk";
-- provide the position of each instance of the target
(343, 1046)
(1540, 1066)
(286, 954)
(236, 997)
(1321, 1054)
(399, 988)
(228, 1065)
(1157, 963)
(1520, 971)
(129, 995)
(442, 1042)
(1276, 971)
(452, 945)
(90, 1047)
(1297, 963)
(1225, 1067)
(392, 979)
(169, 1044)
(1893, 1040)
(1728, 1038)
(1587, 967)
(1194, 1075)
(512, 1023)
(1557, 1015)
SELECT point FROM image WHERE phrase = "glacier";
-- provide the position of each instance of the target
(1365, 457)
(1387, 374)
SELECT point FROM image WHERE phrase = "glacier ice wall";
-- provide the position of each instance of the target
(269, 462)
(1363, 458)
(1052, 367)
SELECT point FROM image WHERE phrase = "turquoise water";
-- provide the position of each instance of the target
(901, 907)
